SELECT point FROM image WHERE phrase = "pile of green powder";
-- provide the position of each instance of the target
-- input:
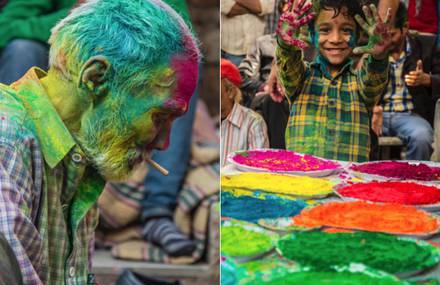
(380, 251)
(238, 241)
(327, 278)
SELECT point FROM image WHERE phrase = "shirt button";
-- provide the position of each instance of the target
(72, 271)
(331, 102)
(76, 157)
(333, 82)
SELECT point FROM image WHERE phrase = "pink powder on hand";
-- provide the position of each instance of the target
(283, 160)
(402, 170)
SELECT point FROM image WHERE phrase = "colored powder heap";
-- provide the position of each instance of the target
(252, 209)
(389, 218)
(380, 251)
(278, 183)
(402, 170)
(283, 160)
(328, 278)
(240, 242)
(408, 193)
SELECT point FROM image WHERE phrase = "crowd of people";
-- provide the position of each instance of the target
(320, 82)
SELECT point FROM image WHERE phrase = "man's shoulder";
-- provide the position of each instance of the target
(15, 125)
(250, 114)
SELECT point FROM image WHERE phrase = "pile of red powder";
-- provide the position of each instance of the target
(408, 193)
(402, 170)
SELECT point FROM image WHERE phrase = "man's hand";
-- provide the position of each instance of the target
(378, 31)
(418, 77)
(275, 88)
(377, 120)
(297, 15)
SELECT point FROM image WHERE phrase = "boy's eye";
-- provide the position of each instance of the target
(324, 30)
(347, 30)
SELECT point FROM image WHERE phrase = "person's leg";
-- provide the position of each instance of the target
(416, 133)
(20, 55)
(162, 191)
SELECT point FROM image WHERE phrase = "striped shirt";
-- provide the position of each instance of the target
(243, 129)
(47, 191)
(329, 115)
(397, 98)
(240, 32)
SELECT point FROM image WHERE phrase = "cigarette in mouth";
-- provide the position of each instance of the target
(157, 166)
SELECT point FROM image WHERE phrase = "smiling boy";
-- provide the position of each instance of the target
(329, 98)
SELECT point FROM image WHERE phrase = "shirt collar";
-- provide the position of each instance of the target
(234, 117)
(320, 62)
(54, 137)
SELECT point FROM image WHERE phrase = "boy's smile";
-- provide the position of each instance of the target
(336, 36)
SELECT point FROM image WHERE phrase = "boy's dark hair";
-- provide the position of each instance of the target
(354, 7)
(401, 16)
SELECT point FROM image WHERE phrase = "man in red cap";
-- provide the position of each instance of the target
(241, 128)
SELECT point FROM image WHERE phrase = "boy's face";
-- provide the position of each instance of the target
(398, 38)
(336, 35)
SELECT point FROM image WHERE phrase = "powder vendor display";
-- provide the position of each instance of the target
(241, 241)
(408, 193)
(283, 160)
(385, 252)
(402, 170)
(389, 218)
(279, 183)
(252, 209)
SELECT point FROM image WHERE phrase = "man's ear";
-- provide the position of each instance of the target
(94, 76)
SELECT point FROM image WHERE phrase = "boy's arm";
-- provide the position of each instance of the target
(373, 79)
(291, 68)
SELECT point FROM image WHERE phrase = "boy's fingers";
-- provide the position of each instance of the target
(361, 50)
(362, 23)
(375, 14)
(367, 13)
(388, 16)
(299, 5)
(306, 8)
(306, 19)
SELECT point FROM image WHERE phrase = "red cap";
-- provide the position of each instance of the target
(230, 71)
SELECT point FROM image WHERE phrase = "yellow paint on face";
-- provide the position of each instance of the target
(279, 184)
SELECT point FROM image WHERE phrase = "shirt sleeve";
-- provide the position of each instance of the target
(373, 79)
(291, 68)
(250, 70)
(435, 73)
(226, 6)
(16, 221)
(257, 137)
(267, 6)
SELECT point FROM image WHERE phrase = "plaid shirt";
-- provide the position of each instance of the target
(46, 214)
(329, 116)
(397, 98)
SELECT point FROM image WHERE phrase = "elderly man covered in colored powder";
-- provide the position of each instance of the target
(120, 72)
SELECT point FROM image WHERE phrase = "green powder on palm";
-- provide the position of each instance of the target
(239, 241)
(328, 278)
(381, 251)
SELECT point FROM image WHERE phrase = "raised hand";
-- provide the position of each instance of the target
(418, 77)
(297, 15)
(378, 31)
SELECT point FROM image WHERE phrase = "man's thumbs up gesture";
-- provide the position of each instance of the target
(418, 77)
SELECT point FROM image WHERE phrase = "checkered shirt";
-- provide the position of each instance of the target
(47, 197)
(329, 115)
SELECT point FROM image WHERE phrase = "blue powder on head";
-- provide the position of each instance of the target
(252, 209)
